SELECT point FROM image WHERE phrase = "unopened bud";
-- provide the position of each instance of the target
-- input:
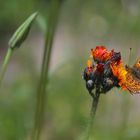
(22, 32)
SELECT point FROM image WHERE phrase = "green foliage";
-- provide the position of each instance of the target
(82, 25)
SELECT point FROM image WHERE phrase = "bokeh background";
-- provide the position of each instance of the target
(81, 26)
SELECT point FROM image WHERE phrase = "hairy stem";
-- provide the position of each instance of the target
(92, 114)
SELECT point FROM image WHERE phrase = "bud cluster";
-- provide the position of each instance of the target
(98, 73)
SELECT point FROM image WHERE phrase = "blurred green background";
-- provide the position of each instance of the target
(82, 25)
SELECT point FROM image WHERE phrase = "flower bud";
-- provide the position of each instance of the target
(22, 32)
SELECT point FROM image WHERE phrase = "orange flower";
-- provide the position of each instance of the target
(120, 72)
(100, 53)
(89, 66)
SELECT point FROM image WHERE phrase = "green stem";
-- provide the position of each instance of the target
(92, 115)
(5, 63)
(41, 95)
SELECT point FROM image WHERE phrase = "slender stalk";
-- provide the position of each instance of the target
(95, 100)
(5, 63)
(41, 95)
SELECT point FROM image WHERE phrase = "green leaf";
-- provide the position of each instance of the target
(22, 32)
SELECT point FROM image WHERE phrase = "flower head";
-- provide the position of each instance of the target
(107, 72)
(101, 54)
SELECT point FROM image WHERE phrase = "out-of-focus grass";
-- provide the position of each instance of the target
(83, 24)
